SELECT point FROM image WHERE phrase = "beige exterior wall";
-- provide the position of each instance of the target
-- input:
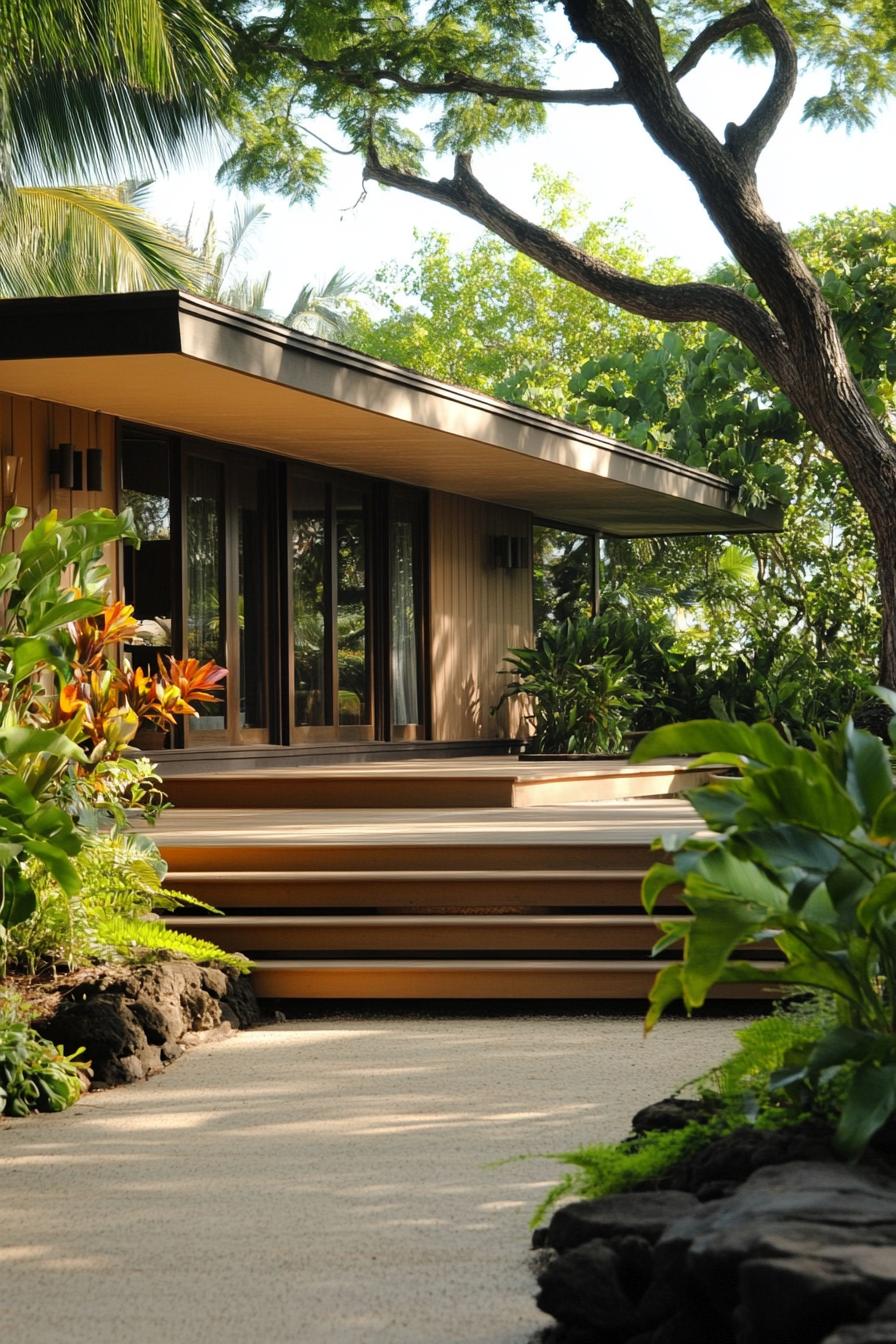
(28, 430)
(477, 612)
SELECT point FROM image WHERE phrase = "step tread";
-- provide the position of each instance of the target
(436, 965)
(413, 921)
(402, 875)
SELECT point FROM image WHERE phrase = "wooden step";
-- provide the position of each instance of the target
(514, 784)
(522, 980)
(386, 856)
(301, 934)
(421, 889)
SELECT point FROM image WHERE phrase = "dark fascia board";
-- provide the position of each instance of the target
(172, 322)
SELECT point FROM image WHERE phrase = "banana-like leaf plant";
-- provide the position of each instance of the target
(803, 855)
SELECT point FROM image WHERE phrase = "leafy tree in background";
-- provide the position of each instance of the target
(789, 623)
(96, 90)
(482, 73)
(494, 320)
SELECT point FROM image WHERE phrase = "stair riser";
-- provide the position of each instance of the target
(431, 894)
(365, 858)
(489, 982)
(356, 937)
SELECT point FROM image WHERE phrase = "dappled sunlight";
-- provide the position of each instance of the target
(326, 1168)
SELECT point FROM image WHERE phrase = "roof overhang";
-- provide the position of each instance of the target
(188, 365)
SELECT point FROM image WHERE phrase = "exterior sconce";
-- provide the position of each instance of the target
(67, 463)
(10, 475)
(510, 552)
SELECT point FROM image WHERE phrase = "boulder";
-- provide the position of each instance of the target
(642, 1214)
(133, 1020)
(582, 1290)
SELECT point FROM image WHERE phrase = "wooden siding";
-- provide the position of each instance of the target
(477, 612)
(28, 430)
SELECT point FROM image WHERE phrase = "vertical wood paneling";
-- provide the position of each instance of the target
(28, 430)
(478, 612)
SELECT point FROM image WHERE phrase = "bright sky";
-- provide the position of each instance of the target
(804, 172)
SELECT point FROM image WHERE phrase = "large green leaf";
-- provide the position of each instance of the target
(710, 738)
(870, 1101)
(806, 794)
(869, 777)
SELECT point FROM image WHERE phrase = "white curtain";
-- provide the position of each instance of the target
(405, 697)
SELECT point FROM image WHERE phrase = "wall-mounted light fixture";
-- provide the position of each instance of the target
(11, 466)
(510, 552)
(67, 464)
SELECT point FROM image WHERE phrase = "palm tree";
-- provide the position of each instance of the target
(93, 90)
(88, 240)
(318, 310)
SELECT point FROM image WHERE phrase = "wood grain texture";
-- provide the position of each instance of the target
(478, 612)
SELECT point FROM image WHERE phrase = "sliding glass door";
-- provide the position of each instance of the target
(307, 585)
(329, 550)
(225, 591)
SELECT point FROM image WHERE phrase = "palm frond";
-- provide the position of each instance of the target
(76, 240)
(318, 309)
(106, 87)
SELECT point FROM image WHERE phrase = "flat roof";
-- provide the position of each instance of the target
(189, 365)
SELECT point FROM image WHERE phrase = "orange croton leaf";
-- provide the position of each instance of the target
(93, 634)
(195, 681)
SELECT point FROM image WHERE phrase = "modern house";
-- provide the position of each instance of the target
(354, 542)
(351, 539)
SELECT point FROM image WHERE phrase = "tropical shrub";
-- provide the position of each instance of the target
(68, 710)
(35, 1075)
(578, 699)
(114, 914)
(803, 856)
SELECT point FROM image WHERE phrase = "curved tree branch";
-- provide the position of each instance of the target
(456, 81)
(713, 33)
(691, 302)
(748, 140)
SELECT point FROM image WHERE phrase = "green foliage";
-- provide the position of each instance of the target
(580, 699)
(117, 87)
(143, 940)
(113, 912)
(34, 1074)
(57, 240)
(36, 607)
(804, 857)
(491, 319)
(740, 1091)
(609, 1168)
(379, 69)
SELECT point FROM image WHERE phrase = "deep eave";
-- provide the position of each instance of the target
(189, 365)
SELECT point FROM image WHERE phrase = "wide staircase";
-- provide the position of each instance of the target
(457, 897)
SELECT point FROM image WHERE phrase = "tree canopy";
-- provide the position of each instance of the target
(795, 616)
(406, 82)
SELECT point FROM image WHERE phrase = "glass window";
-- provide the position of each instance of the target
(308, 543)
(148, 586)
(206, 610)
(351, 607)
(251, 596)
(405, 678)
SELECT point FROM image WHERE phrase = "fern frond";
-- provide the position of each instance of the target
(136, 938)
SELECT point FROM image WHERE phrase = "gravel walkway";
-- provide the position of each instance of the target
(319, 1182)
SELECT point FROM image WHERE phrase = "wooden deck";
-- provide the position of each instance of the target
(452, 903)
(486, 782)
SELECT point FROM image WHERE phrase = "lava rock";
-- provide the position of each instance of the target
(642, 1214)
(582, 1289)
(669, 1114)
(820, 1212)
(133, 1020)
